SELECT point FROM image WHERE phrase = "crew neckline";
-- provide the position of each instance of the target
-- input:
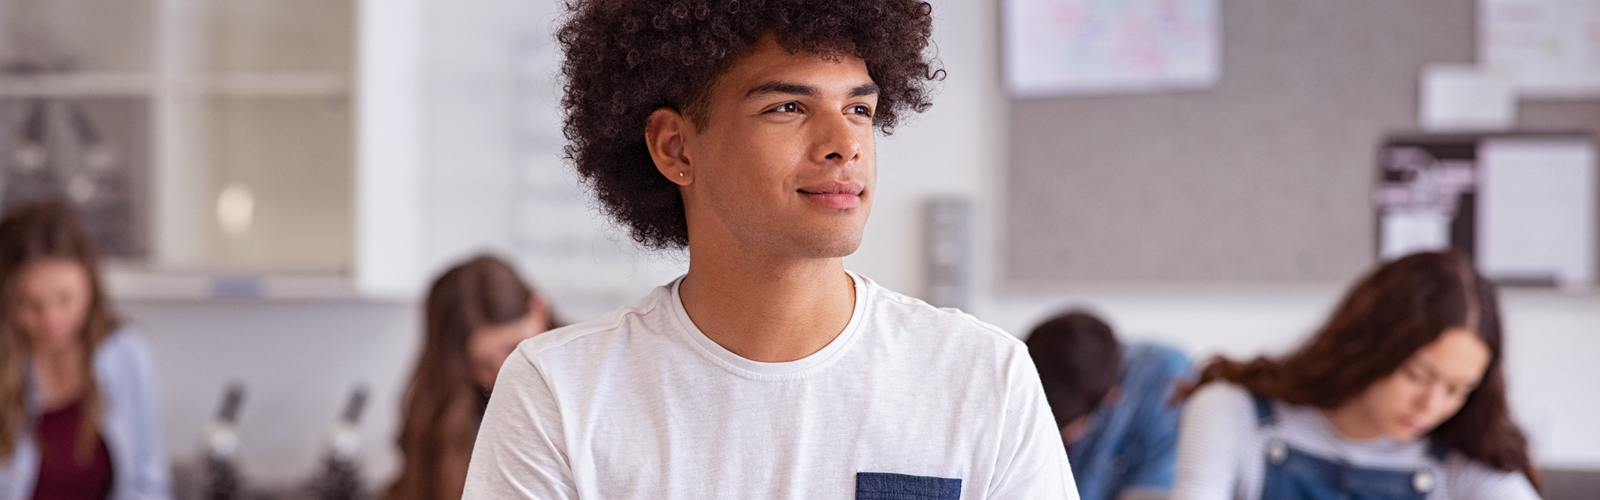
(761, 370)
(1380, 443)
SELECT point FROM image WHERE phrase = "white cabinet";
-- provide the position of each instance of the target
(268, 147)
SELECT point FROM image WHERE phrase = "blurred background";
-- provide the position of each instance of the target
(274, 181)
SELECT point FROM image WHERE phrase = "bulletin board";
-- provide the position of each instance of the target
(1267, 177)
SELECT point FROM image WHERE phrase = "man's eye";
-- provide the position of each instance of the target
(787, 107)
(862, 110)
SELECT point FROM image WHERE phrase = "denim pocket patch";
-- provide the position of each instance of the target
(886, 486)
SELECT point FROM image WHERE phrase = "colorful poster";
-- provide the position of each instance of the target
(1065, 47)
(1546, 48)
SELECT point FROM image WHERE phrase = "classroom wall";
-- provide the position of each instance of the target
(1263, 177)
(956, 148)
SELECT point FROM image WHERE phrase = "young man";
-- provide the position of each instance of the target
(1113, 403)
(744, 130)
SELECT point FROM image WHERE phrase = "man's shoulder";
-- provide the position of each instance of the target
(910, 315)
(899, 306)
(610, 324)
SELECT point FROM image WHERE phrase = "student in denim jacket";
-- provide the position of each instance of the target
(1111, 401)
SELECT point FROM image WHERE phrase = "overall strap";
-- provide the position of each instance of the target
(1264, 416)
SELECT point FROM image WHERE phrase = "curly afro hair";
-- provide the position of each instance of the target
(627, 58)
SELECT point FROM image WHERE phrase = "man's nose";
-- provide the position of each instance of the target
(837, 139)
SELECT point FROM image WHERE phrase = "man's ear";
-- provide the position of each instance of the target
(664, 134)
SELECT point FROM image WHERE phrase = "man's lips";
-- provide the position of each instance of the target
(834, 194)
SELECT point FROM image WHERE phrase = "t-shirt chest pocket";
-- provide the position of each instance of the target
(886, 486)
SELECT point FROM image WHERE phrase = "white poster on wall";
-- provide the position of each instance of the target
(1065, 47)
(1536, 212)
(1465, 98)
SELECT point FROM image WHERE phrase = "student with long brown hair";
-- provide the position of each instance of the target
(78, 405)
(477, 313)
(1400, 395)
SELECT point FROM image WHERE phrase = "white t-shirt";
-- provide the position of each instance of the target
(1222, 452)
(640, 404)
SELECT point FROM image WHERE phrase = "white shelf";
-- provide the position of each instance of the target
(125, 284)
(86, 85)
(275, 85)
(77, 85)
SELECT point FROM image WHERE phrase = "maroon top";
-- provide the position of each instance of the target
(61, 475)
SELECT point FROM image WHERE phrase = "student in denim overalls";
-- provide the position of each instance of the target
(1399, 396)
(1293, 473)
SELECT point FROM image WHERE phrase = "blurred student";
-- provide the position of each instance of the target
(1110, 401)
(78, 405)
(1400, 395)
(477, 313)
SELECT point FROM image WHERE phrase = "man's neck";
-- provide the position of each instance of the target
(770, 310)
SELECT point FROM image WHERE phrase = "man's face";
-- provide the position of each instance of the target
(784, 163)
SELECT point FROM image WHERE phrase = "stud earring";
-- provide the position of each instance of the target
(680, 174)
